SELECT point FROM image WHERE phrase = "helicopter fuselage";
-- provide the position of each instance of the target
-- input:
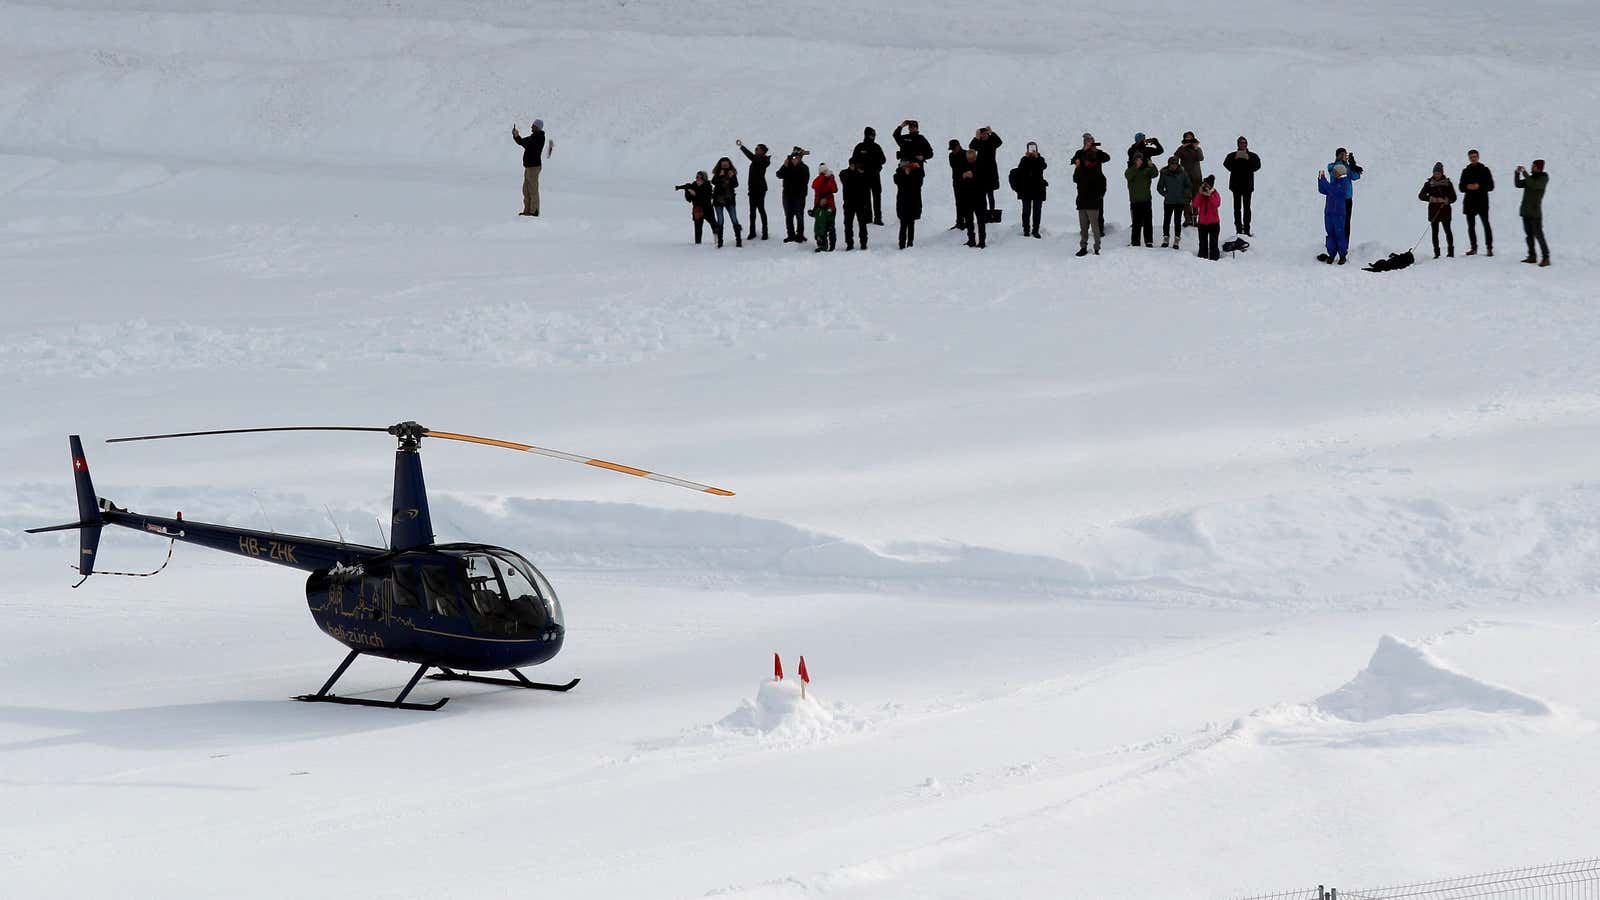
(473, 607)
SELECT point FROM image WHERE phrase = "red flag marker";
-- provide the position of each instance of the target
(777, 668)
(805, 678)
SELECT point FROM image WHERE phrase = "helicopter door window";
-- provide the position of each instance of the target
(440, 588)
(407, 590)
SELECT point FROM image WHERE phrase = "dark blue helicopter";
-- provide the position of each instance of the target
(456, 607)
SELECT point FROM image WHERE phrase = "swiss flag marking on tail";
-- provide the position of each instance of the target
(777, 668)
(79, 464)
(804, 675)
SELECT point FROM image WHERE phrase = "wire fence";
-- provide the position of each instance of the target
(1575, 880)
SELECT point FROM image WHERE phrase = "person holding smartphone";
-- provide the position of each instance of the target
(1533, 185)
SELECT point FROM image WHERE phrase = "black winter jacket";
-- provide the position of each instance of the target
(1091, 182)
(1476, 201)
(796, 178)
(1439, 195)
(857, 190)
(1154, 153)
(911, 146)
(532, 147)
(757, 182)
(908, 193)
(725, 189)
(1031, 183)
(1241, 172)
(988, 165)
(869, 155)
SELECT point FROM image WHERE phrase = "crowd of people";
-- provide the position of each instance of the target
(1189, 196)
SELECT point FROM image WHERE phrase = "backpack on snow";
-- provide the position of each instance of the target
(1236, 245)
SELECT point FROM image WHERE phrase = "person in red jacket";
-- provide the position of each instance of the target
(823, 187)
(1207, 204)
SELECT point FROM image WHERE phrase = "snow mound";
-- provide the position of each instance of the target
(779, 712)
(1405, 679)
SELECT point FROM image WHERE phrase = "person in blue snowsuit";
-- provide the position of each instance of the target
(1334, 214)
(1353, 170)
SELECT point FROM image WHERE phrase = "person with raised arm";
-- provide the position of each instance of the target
(535, 149)
(756, 185)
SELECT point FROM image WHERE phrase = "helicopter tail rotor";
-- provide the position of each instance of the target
(89, 519)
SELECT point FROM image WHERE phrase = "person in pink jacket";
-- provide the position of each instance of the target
(1207, 203)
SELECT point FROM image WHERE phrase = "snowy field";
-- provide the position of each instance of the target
(1124, 576)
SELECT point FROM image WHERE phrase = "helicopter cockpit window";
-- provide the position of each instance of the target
(502, 599)
(440, 589)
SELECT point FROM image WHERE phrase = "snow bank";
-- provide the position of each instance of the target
(1406, 679)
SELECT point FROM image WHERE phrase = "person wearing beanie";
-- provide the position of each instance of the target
(908, 199)
(1333, 184)
(971, 200)
(871, 158)
(699, 194)
(1476, 183)
(535, 149)
(1207, 206)
(1148, 147)
(958, 169)
(1088, 173)
(987, 143)
(1090, 156)
(795, 176)
(1440, 195)
(1176, 190)
(1343, 157)
(1140, 175)
(823, 188)
(857, 191)
(1190, 156)
(756, 185)
(1533, 185)
(1027, 179)
(1242, 166)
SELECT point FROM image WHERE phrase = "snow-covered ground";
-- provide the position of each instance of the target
(1119, 576)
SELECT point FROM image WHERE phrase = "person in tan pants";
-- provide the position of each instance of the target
(534, 146)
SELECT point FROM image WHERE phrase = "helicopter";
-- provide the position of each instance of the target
(457, 607)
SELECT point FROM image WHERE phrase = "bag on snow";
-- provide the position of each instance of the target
(1236, 245)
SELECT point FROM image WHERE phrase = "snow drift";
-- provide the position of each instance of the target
(1403, 678)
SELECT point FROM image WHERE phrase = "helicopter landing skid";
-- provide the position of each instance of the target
(521, 681)
(399, 702)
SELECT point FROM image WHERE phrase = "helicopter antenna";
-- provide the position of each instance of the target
(379, 522)
(410, 433)
(336, 529)
(263, 512)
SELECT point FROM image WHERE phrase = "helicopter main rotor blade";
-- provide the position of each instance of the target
(573, 457)
(183, 434)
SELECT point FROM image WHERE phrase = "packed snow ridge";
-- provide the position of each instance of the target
(1404, 679)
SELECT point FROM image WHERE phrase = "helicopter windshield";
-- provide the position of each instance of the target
(507, 596)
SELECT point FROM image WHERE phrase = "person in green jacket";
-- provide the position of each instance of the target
(1533, 185)
(1139, 175)
(1176, 191)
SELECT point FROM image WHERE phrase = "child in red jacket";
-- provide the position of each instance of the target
(1206, 206)
(823, 187)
